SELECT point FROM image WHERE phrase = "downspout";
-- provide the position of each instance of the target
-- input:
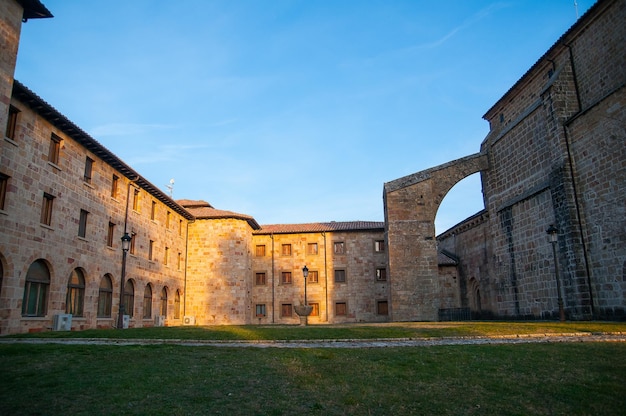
(186, 264)
(273, 294)
(570, 158)
(325, 276)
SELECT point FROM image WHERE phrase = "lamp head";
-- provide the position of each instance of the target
(126, 242)
(552, 232)
(305, 271)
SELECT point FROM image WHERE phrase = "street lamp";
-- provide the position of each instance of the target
(552, 232)
(305, 273)
(125, 247)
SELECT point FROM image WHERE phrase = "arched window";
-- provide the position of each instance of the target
(105, 297)
(147, 302)
(164, 302)
(35, 300)
(129, 298)
(75, 299)
(177, 305)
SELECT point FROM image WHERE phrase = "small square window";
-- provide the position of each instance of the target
(286, 310)
(168, 218)
(382, 307)
(12, 123)
(260, 250)
(88, 169)
(153, 210)
(340, 276)
(339, 247)
(316, 309)
(115, 184)
(381, 274)
(286, 250)
(341, 309)
(260, 279)
(260, 310)
(179, 261)
(166, 255)
(379, 246)
(110, 234)
(311, 249)
(180, 227)
(4, 185)
(55, 149)
(151, 250)
(285, 278)
(133, 241)
(136, 200)
(313, 276)
(46, 209)
(82, 223)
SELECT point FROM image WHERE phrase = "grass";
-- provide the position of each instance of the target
(516, 379)
(348, 331)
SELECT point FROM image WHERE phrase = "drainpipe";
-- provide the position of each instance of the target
(273, 294)
(325, 275)
(186, 264)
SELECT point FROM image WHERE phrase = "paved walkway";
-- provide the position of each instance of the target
(340, 343)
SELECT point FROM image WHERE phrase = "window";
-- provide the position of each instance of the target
(136, 200)
(133, 240)
(260, 279)
(166, 255)
(147, 302)
(88, 169)
(180, 227)
(75, 298)
(341, 309)
(177, 305)
(311, 249)
(340, 276)
(153, 210)
(129, 298)
(115, 185)
(168, 218)
(316, 309)
(179, 261)
(4, 184)
(163, 310)
(286, 250)
(46, 209)
(285, 278)
(260, 310)
(286, 310)
(110, 234)
(12, 123)
(382, 307)
(339, 247)
(260, 250)
(381, 274)
(35, 302)
(105, 297)
(379, 245)
(55, 149)
(150, 250)
(313, 277)
(82, 223)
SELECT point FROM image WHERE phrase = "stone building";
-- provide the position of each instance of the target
(555, 155)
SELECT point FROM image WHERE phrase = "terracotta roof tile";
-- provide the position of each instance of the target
(318, 227)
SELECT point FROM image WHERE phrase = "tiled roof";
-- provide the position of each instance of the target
(202, 210)
(319, 227)
(445, 258)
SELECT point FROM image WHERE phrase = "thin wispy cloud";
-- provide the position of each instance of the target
(127, 129)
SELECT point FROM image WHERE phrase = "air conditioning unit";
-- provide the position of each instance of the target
(159, 320)
(62, 322)
(126, 321)
(189, 320)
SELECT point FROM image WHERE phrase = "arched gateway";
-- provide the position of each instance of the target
(411, 204)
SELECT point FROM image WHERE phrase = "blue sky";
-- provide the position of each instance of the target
(289, 111)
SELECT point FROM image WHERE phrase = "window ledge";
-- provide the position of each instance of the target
(88, 185)
(47, 227)
(54, 165)
(3, 212)
(10, 140)
(83, 239)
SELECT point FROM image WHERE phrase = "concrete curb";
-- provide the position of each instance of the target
(338, 343)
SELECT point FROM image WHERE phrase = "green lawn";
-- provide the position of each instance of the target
(515, 379)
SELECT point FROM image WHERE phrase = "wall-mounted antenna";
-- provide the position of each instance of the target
(170, 188)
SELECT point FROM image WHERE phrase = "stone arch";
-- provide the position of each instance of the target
(411, 204)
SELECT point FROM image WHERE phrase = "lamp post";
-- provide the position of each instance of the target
(305, 273)
(125, 246)
(552, 232)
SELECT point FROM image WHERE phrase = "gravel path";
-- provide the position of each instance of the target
(340, 343)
